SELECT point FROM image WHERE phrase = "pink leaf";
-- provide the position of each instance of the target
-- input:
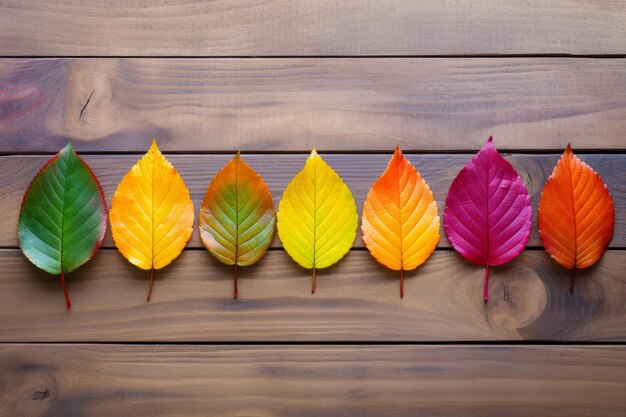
(488, 215)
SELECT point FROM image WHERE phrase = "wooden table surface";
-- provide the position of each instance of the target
(273, 79)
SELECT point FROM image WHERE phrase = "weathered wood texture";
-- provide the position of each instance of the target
(302, 27)
(319, 94)
(307, 381)
(359, 171)
(356, 300)
(295, 104)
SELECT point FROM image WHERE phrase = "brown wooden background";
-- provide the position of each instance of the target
(273, 79)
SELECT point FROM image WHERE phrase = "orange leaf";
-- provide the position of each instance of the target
(400, 220)
(151, 213)
(576, 213)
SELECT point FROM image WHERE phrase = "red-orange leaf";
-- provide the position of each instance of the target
(576, 213)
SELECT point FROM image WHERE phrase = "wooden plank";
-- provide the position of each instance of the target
(358, 170)
(306, 381)
(356, 300)
(323, 27)
(195, 105)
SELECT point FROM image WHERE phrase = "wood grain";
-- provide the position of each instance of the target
(307, 381)
(322, 27)
(359, 171)
(194, 105)
(356, 300)
(290, 78)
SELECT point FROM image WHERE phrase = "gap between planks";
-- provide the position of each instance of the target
(338, 343)
(353, 56)
(469, 152)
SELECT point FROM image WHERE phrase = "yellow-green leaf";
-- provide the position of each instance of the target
(237, 216)
(317, 218)
(151, 213)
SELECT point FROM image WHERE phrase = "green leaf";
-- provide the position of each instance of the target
(63, 215)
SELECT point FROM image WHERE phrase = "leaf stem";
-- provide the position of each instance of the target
(150, 285)
(67, 298)
(313, 282)
(401, 283)
(235, 283)
(573, 281)
(486, 287)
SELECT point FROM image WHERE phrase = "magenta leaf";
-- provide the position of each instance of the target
(488, 215)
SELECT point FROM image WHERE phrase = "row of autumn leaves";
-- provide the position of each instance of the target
(487, 217)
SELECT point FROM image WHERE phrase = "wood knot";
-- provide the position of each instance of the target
(41, 395)
(517, 300)
(90, 110)
(32, 388)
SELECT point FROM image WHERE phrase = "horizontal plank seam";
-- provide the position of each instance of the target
(354, 248)
(503, 151)
(354, 56)
(337, 343)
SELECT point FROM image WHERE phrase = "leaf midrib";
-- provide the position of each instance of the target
(571, 187)
(153, 157)
(400, 216)
(236, 212)
(488, 212)
(314, 213)
(64, 204)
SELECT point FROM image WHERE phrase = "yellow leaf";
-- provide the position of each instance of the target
(317, 217)
(151, 213)
(400, 220)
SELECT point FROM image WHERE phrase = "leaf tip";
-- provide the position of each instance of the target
(238, 155)
(397, 153)
(568, 149)
(154, 147)
(489, 144)
(68, 147)
(313, 153)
